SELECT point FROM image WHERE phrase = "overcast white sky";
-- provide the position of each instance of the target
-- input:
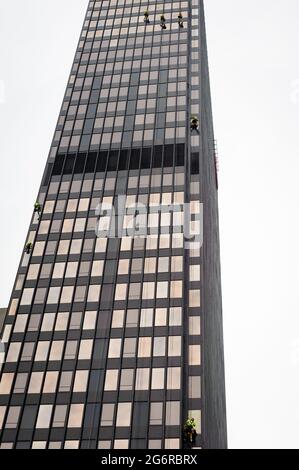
(254, 65)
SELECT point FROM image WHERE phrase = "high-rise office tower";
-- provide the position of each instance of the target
(113, 334)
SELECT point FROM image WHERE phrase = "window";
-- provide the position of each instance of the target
(146, 319)
(65, 381)
(80, 293)
(33, 272)
(50, 383)
(144, 346)
(44, 416)
(42, 350)
(90, 320)
(104, 445)
(13, 417)
(175, 316)
(59, 416)
(114, 348)
(123, 418)
(118, 319)
(150, 266)
(62, 321)
(154, 444)
(81, 379)
(56, 351)
(172, 413)
(142, 379)
(21, 383)
(123, 266)
(40, 295)
(158, 378)
(172, 444)
(127, 378)
(63, 247)
(176, 289)
(27, 352)
(107, 414)
(20, 323)
(13, 352)
(173, 378)
(2, 414)
(75, 416)
(6, 383)
(76, 246)
(194, 273)
(94, 293)
(85, 349)
(194, 355)
(27, 297)
(129, 347)
(163, 265)
(156, 414)
(111, 380)
(134, 291)
(162, 290)
(194, 387)
(159, 346)
(121, 444)
(132, 318)
(71, 269)
(53, 295)
(161, 317)
(48, 322)
(174, 346)
(136, 266)
(148, 291)
(51, 248)
(84, 268)
(194, 298)
(71, 350)
(194, 326)
(121, 292)
(35, 383)
(75, 323)
(176, 264)
(97, 268)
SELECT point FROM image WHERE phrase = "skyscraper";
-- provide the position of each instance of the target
(113, 334)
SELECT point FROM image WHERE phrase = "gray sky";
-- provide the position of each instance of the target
(254, 65)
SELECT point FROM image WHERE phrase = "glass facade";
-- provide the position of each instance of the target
(103, 334)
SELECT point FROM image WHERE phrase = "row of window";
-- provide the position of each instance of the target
(89, 126)
(102, 50)
(171, 443)
(133, 8)
(134, 182)
(122, 139)
(121, 95)
(96, 268)
(129, 65)
(51, 382)
(92, 83)
(151, 202)
(63, 247)
(58, 416)
(123, 291)
(118, 347)
(130, 318)
(131, 25)
(145, 50)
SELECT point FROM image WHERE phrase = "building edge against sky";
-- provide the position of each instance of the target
(113, 341)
